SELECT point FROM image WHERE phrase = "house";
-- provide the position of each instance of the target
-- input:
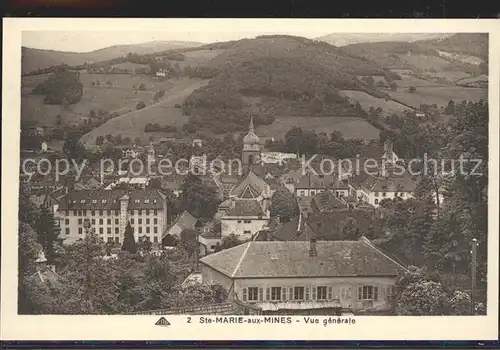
(109, 212)
(306, 277)
(311, 184)
(161, 72)
(197, 143)
(185, 221)
(210, 237)
(327, 201)
(376, 188)
(252, 187)
(244, 218)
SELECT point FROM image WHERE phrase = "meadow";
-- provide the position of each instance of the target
(366, 101)
(349, 127)
(164, 112)
(120, 98)
(439, 95)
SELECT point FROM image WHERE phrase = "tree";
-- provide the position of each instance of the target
(46, 232)
(394, 86)
(99, 140)
(142, 87)
(412, 89)
(229, 241)
(460, 303)
(284, 205)
(140, 105)
(129, 243)
(189, 241)
(423, 298)
(450, 108)
(137, 140)
(197, 198)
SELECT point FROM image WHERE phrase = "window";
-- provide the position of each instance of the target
(139, 212)
(109, 230)
(298, 293)
(100, 213)
(80, 221)
(117, 239)
(376, 194)
(367, 293)
(80, 230)
(67, 230)
(93, 221)
(108, 212)
(93, 212)
(313, 192)
(253, 294)
(155, 211)
(101, 230)
(137, 201)
(155, 229)
(276, 293)
(155, 221)
(247, 232)
(155, 239)
(239, 221)
(147, 210)
(110, 239)
(116, 212)
(94, 201)
(247, 221)
(384, 194)
(140, 229)
(116, 221)
(376, 200)
(147, 229)
(101, 221)
(146, 201)
(82, 201)
(147, 221)
(131, 221)
(321, 293)
(140, 221)
(66, 221)
(109, 221)
(389, 292)
(116, 230)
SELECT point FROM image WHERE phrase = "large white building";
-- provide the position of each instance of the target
(109, 211)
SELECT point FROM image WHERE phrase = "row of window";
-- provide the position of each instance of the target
(108, 221)
(117, 239)
(117, 230)
(305, 293)
(104, 201)
(108, 212)
(397, 194)
(245, 221)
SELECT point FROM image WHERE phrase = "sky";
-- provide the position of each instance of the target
(84, 41)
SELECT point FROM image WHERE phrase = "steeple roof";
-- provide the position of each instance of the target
(251, 137)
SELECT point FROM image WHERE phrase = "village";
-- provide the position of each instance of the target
(281, 240)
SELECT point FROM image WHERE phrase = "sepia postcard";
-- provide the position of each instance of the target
(250, 179)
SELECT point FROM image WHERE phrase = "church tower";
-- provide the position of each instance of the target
(251, 149)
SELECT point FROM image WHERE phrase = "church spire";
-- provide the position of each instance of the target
(250, 129)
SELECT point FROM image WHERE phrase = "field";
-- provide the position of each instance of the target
(407, 81)
(196, 57)
(349, 127)
(164, 113)
(439, 95)
(121, 98)
(366, 101)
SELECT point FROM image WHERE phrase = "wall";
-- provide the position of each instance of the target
(211, 276)
(229, 226)
(115, 231)
(206, 245)
(343, 288)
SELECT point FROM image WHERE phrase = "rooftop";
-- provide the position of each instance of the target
(110, 199)
(244, 208)
(260, 259)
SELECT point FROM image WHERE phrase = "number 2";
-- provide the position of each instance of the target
(189, 320)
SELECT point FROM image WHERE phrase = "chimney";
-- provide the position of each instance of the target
(312, 247)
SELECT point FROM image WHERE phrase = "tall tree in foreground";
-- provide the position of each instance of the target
(129, 243)
(47, 232)
(198, 198)
(189, 241)
(284, 205)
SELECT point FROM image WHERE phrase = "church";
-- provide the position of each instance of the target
(246, 210)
